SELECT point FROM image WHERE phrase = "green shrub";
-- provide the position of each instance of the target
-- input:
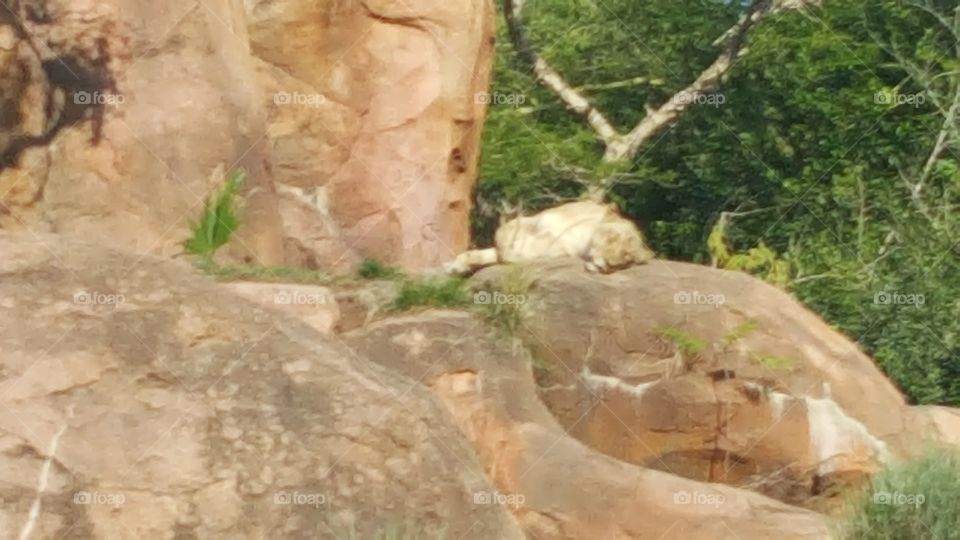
(916, 500)
(219, 219)
(430, 292)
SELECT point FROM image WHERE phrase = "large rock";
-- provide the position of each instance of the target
(710, 374)
(557, 487)
(358, 123)
(377, 117)
(156, 101)
(138, 400)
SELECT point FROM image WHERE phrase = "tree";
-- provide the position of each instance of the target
(623, 146)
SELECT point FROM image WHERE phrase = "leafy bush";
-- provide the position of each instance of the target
(915, 500)
(219, 219)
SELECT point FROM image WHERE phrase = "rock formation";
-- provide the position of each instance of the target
(140, 400)
(557, 487)
(359, 123)
(712, 375)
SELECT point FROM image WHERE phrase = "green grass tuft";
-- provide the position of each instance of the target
(505, 308)
(774, 362)
(431, 292)
(374, 269)
(219, 219)
(686, 343)
(916, 500)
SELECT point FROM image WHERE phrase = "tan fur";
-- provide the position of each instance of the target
(591, 231)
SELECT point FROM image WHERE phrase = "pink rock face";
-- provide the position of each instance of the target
(399, 119)
(358, 123)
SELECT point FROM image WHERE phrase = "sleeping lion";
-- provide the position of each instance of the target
(594, 232)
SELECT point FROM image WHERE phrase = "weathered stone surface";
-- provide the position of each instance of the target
(145, 401)
(158, 99)
(358, 123)
(938, 425)
(709, 374)
(387, 129)
(316, 306)
(557, 487)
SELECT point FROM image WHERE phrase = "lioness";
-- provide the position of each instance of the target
(595, 232)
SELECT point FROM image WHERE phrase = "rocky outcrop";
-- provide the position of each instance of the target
(557, 487)
(358, 123)
(376, 117)
(139, 400)
(709, 374)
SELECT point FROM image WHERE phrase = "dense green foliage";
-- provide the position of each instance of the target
(912, 500)
(824, 127)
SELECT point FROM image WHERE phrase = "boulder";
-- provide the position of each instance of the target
(156, 103)
(557, 487)
(710, 374)
(358, 123)
(376, 112)
(140, 400)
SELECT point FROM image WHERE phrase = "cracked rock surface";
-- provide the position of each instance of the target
(180, 409)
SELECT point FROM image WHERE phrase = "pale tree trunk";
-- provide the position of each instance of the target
(624, 147)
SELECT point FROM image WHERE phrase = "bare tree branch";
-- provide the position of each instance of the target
(549, 77)
(625, 146)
